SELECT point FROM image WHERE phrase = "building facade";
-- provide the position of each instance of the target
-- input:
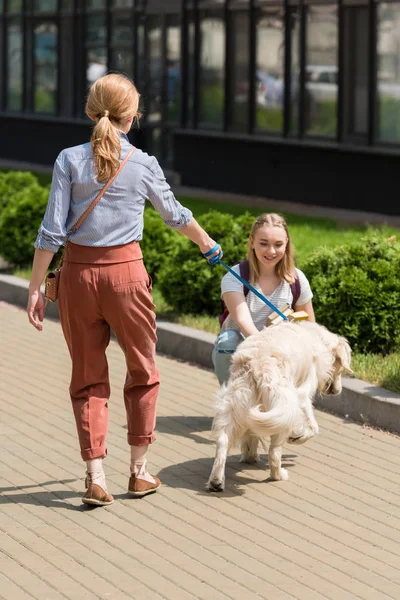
(296, 100)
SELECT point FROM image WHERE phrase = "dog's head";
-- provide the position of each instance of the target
(341, 356)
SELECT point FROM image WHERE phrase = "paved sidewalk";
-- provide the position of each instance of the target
(331, 532)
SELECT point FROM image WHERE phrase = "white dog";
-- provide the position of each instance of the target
(274, 377)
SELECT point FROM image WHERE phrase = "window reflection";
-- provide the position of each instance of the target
(212, 62)
(173, 68)
(45, 67)
(155, 61)
(97, 64)
(239, 55)
(190, 69)
(95, 4)
(295, 70)
(121, 29)
(269, 70)
(14, 5)
(96, 29)
(122, 61)
(321, 71)
(122, 3)
(389, 72)
(14, 64)
(45, 5)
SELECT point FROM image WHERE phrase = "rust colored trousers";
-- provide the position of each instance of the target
(104, 289)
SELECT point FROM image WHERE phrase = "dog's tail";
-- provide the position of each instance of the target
(283, 416)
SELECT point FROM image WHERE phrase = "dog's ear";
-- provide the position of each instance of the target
(343, 353)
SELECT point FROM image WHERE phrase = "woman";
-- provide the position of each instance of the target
(104, 283)
(272, 272)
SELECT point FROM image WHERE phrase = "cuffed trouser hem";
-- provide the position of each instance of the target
(140, 440)
(91, 453)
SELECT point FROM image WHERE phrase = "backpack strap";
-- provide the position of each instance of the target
(296, 291)
(244, 268)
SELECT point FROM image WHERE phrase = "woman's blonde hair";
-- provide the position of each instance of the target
(112, 99)
(285, 267)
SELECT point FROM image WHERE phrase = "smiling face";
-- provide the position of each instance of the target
(269, 244)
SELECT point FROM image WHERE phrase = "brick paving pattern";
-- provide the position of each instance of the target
(330, 533)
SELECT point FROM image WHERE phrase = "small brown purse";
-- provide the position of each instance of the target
(52, 279)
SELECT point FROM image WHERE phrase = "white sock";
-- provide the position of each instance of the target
(139, 463)
(96, 472)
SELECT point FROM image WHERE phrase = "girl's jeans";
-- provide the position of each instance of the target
(224, 348)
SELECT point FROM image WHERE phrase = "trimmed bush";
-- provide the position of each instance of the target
(12, 182)
(188, 283)
(357, 292)
(19, 223)
(157, 243)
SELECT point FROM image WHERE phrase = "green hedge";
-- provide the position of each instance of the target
(12, 182)
(357, 292)
(187, 281)
(19, 223)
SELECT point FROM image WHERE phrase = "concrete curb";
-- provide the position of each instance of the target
(359, 401)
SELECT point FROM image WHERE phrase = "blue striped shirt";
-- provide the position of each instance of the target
(118, 217)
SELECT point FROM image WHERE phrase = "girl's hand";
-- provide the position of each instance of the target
(35, 305)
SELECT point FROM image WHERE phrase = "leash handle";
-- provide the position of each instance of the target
(215, 259)
(252, 289)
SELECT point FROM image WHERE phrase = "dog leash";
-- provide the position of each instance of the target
(217, 260)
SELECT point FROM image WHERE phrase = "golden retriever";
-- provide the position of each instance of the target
(274, 377)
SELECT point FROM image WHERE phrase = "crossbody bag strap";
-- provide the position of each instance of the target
(100, 195)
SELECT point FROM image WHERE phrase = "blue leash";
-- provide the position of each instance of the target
(216, 260)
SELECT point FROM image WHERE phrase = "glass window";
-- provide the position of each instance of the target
(190, 69)
(294, 69)
(356, 80)
(14, 6)
(95, 4)
(269, 92)
(173, 67)
(212, 68)
(239, 68)
(122, 61)
(321, 87)
(389, 72)
(122, 3)
(140, 51)
(14, 64)
(97, 64)
(121, 28)
(67, 4)
(96, 29)
(45, 5)
(45, 67)
(155, 68)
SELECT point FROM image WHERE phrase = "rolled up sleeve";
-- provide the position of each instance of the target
(162, 198)
(52, 231)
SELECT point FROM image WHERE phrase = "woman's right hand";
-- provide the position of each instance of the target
(214, 256)
(35, 305)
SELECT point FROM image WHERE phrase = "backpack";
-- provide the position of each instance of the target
(244, 269)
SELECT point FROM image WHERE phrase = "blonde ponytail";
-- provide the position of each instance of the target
(111, 101)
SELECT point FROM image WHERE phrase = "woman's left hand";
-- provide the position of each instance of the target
(35, 305)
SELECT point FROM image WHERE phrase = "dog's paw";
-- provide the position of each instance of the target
(302, 439)
(250, 459)
(215, 485)
(283, 475)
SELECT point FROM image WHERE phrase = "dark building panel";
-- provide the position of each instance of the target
(283, 170)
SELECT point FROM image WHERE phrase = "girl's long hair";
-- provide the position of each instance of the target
(285, 267)
(112, 99)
